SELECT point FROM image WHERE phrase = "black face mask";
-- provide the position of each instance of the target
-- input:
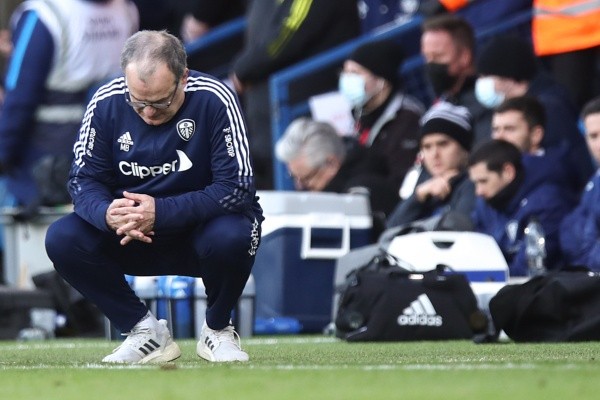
(439, 78)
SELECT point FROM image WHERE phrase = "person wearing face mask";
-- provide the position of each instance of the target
(386, 118)
(510, 194)
(448, 47)
(508, 68)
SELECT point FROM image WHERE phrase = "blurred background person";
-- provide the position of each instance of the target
(386, 118)
(511, 195)
(319, 160)
(521, 121)
(448, 47)
(446, 139)
(580, 230)
(62, 49)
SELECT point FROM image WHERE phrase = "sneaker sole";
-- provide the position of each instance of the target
(170, 353)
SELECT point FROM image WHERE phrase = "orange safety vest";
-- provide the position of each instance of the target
(453, 5)
(560, 26)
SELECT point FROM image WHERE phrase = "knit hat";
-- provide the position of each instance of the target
(382, 58)
(451, 120)
(508, 57)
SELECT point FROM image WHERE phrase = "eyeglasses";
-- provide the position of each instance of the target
(139, 105)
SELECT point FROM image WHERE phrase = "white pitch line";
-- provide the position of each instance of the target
(59, 344)
(287, 367)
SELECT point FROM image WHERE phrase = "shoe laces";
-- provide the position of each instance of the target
(136, 336)
(225, 335)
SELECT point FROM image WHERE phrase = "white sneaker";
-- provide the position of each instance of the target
(220, 346)
(148, 342)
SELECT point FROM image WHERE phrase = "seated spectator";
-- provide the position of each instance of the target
(580, 230)
(387, 119)
(318, 160)
(508, 68)
(448, 47)
(509, 196)
(446, 139)
(521, 121)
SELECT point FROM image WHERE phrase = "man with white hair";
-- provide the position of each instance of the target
(319, 160)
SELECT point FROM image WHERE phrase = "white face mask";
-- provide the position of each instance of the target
(352, 87)
(486, 93)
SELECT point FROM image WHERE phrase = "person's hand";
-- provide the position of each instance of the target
(192, 29)
(132, 216)
(438, 187)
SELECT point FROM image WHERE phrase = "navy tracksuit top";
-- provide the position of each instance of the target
(197, 165)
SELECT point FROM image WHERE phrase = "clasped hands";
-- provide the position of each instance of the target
(133, 217)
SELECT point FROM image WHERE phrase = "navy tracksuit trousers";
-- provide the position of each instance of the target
(93, 262)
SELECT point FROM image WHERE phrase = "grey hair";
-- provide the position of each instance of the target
(150, 48)
(316, 140)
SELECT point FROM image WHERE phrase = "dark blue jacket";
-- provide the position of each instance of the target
(580, 229)
(461, 200)
(196, 166)
(561, 128)
(537, 197)
(556, 166)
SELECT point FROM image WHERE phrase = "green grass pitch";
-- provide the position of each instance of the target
(307, 367)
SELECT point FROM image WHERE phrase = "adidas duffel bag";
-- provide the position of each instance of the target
(383, 302)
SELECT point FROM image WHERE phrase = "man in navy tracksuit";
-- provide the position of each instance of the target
(512, 191)
(162, 183)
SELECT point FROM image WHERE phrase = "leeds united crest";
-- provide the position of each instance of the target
(186, 129)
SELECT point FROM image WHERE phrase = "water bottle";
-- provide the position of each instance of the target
(535, 247)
